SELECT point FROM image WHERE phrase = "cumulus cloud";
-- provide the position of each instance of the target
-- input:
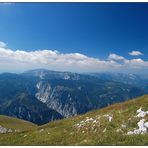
(20, 60)
(137, 63)
(51, 59)
(113, 56)
(2, 44)
(135, 53)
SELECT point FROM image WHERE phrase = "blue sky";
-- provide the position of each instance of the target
(95, 30)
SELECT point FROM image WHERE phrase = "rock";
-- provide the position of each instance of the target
(141, 113)
(17, 130)
(41, 130)
(104, 130)
(109, 117)
(139, 110)
(94, 121)
(25, 136)
(3, 130)
(123, 126)
(44, 91)
(142, 128)
(9, 130)
(119, 130)
(146, 124)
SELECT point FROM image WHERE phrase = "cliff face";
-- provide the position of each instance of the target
(41, 96)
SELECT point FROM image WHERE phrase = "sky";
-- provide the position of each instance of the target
(77, 37)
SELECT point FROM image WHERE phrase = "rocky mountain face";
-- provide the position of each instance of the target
(41, 95)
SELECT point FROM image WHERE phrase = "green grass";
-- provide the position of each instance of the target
(65, 132)
(16, 124)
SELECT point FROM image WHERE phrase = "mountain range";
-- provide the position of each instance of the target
(41, 95)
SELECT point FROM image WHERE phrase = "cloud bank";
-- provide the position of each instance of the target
(20, 60)
(6, 3)
(135, 53)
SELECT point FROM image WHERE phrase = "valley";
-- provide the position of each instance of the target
(41, 95)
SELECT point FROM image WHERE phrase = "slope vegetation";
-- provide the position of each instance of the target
(15, 124)
(119, 124)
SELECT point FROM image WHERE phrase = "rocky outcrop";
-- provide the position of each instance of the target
(4, 130)
(53, 98)
(44, 91)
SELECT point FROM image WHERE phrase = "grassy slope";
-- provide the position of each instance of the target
(65, 132)
(16, 124)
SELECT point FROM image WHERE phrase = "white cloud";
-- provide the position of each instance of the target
(137, 63)
(20, 60)
(113, 56)
(6, 3)
(135, 53)
(50, 59)
(2, 44)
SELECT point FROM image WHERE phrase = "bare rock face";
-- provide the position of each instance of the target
(70, 94)
(44, 91)
(65, 107)
(53, 98)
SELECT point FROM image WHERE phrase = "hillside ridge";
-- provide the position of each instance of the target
(119, 124)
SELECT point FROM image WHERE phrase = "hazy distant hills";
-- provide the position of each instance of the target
(41, 95)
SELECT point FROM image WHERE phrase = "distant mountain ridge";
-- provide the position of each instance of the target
(42, 95)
